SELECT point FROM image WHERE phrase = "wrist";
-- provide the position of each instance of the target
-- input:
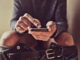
(52, 40)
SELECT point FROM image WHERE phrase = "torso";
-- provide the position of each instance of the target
(44, 10)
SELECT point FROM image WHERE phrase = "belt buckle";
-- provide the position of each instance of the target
(50, 53)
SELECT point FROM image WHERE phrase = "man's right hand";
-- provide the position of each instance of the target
(25, 22)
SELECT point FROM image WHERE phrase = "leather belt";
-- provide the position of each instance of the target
(54, 51)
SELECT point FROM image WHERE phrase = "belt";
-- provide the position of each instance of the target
(54, 52)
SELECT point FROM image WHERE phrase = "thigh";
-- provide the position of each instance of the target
(9, 38)
(65, 39)
(28, 40)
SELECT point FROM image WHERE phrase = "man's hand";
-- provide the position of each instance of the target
(25, 22)
(44, 36)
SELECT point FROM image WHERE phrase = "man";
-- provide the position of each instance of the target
(50, 14)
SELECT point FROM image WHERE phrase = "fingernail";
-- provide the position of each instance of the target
(29, 28)
(49, 29)
(29, 32)
(25, 14)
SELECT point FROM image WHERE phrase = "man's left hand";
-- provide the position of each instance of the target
(44, 36)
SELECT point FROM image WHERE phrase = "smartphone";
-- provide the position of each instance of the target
(39, 29)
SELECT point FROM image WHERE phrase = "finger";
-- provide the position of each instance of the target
(25, 21)
(36, 36)
(34, 32)
(40, 37)
(20, 29)
(31, 32)
(23, 25)
(51, 25)
(29, 17)
(37, 23)
(32, 20)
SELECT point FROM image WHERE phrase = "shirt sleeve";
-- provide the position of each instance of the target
(60, 17)
(17, 12)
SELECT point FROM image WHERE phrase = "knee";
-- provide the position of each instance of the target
(9, 38)
(65, 39)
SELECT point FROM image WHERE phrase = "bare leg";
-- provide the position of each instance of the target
(10, 39)
(65, 39)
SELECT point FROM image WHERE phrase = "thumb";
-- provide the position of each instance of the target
(34, 21)
(37, 23)
(51, 26)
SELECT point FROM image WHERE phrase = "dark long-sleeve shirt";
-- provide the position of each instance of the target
(44, 10)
